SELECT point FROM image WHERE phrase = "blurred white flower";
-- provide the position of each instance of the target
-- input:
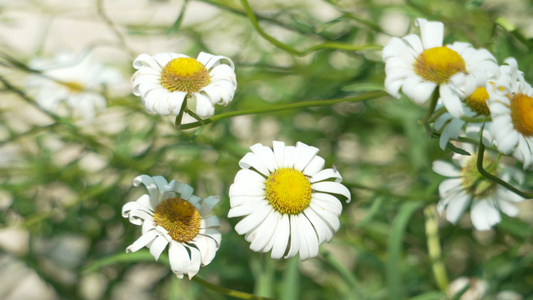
(417, 65)
(72, 83)
(467, 186)
(164, 81)
(476, 288)
(289, 201)
(511, 107)
(171, 215)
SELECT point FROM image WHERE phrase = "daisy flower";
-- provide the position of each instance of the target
(288, 201)
(164, 81)
(511, 107)
(68, 82)
(474, 106)
(417, 65)
(466, 186)
(170, 215)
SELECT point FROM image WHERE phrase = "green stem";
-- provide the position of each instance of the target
(475, 120)
(439, 112)
(429, 112)
(359, 20)
(479, 164)
(434, 250)
(122, 40)
(227, 291)
(325, 45)
(302, 104)
(349, 278)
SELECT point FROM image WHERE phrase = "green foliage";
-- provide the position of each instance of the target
(302, 76)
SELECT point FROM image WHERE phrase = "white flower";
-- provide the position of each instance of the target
(418, 65)
(287, 199)
(474, 106)
(164, 81)
(78, 84)
(511, 107)
(467, 186)
(181, 222)
(468, 288)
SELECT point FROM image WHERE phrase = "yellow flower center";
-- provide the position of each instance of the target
(73, 86)
(288, 191)
(522, 114)
(473, 182)
(179, 217)
(478, 101)
(438, 64)
(184, 74)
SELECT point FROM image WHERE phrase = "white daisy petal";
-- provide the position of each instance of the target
(142, 241)
(253, 220)
(250, 160)
(196, 262)
(266, 156)
(262, 235)
(304, 155)
(295, 241)
(327, 202)
(484, 215)
(281, 237)
(179, 258)
(247, 208)
(456, 208)
(314, 166)
(431, 33)
(334, 188)
(323, 230)
(308, 239)
(325, 175)
(157, 247)
(445, 169)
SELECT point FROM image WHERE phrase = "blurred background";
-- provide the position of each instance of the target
(64, 177)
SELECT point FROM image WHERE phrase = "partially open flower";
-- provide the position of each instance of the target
(170, 215)
(165, 81)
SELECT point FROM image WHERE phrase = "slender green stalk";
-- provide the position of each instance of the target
(434, 249)
(346, 274)
(122, 40)
(175, 27)
(429, 112)
(325, 45)
(369, 24)
(479, 164)
(297, 105)
(227, 291)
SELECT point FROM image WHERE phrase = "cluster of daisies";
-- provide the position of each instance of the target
(473, 99)
(288, 202)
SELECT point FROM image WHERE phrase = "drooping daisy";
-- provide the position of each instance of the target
(72, 83)
(511, 107)
(474, 106)
(164, 81)
(417, 65)
(466, 186)
(289, 202)
(170, 215)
